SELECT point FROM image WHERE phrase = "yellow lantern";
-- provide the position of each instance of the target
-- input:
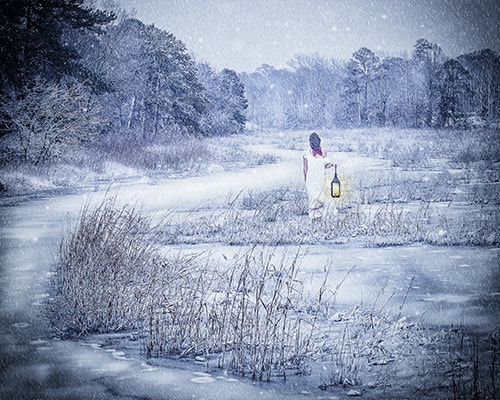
(335, 185)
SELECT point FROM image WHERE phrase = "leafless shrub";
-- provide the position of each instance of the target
(49, 120)
(101, 268)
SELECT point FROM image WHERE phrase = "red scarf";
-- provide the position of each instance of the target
(317, 152)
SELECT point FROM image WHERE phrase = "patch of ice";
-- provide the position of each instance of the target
(202, 377)
(119, 354)
(147, 367)
(20, 325)
(43, 348)
(38, 342)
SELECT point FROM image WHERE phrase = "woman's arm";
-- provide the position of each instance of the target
(305, 167)
(328, 164)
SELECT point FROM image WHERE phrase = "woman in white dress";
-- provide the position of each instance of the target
(315, 161)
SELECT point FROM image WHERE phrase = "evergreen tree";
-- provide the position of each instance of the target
(484, 69)
(428, 59)
(363, 67)
(225, 113)
(174, 94)
(454, 85)
(389, 92)
(124, 61)
(156, 90)
(31, 37)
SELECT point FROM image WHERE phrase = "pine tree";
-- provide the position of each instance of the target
(428, 59)
(363, 69)
(484, 69)
(454, 85)
(225, 113)
(31, 33)
(156, 90)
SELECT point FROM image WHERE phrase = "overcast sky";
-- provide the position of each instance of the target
(244, 34)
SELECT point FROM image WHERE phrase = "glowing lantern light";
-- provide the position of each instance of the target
(335, 185)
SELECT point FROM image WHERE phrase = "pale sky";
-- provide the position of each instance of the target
(244, 34)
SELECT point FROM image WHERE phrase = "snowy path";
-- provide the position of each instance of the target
(450, 285)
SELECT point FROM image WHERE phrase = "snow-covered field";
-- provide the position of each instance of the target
(439, 292)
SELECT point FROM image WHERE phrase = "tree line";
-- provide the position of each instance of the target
(426, 89)
(71, 73)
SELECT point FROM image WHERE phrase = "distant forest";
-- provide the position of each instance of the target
(71, 75)
(427, 89)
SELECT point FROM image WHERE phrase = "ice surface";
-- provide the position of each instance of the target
(441, 285)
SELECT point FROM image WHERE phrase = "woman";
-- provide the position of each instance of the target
(315, 161)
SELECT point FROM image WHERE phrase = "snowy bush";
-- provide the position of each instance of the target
(181, 153)
(49, 120)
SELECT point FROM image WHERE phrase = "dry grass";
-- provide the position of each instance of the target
(280, 218)
(248, 314)
(110, 276)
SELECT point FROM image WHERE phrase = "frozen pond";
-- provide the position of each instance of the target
(439, 285)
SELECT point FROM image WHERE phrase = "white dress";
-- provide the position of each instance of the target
(315, 182)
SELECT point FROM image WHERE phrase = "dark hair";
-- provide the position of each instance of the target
(315, 142)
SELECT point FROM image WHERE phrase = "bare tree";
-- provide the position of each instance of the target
(48, 120)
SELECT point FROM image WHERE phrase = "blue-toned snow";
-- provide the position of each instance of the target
(447, 286)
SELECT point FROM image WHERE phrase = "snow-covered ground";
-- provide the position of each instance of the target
(439, 286)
